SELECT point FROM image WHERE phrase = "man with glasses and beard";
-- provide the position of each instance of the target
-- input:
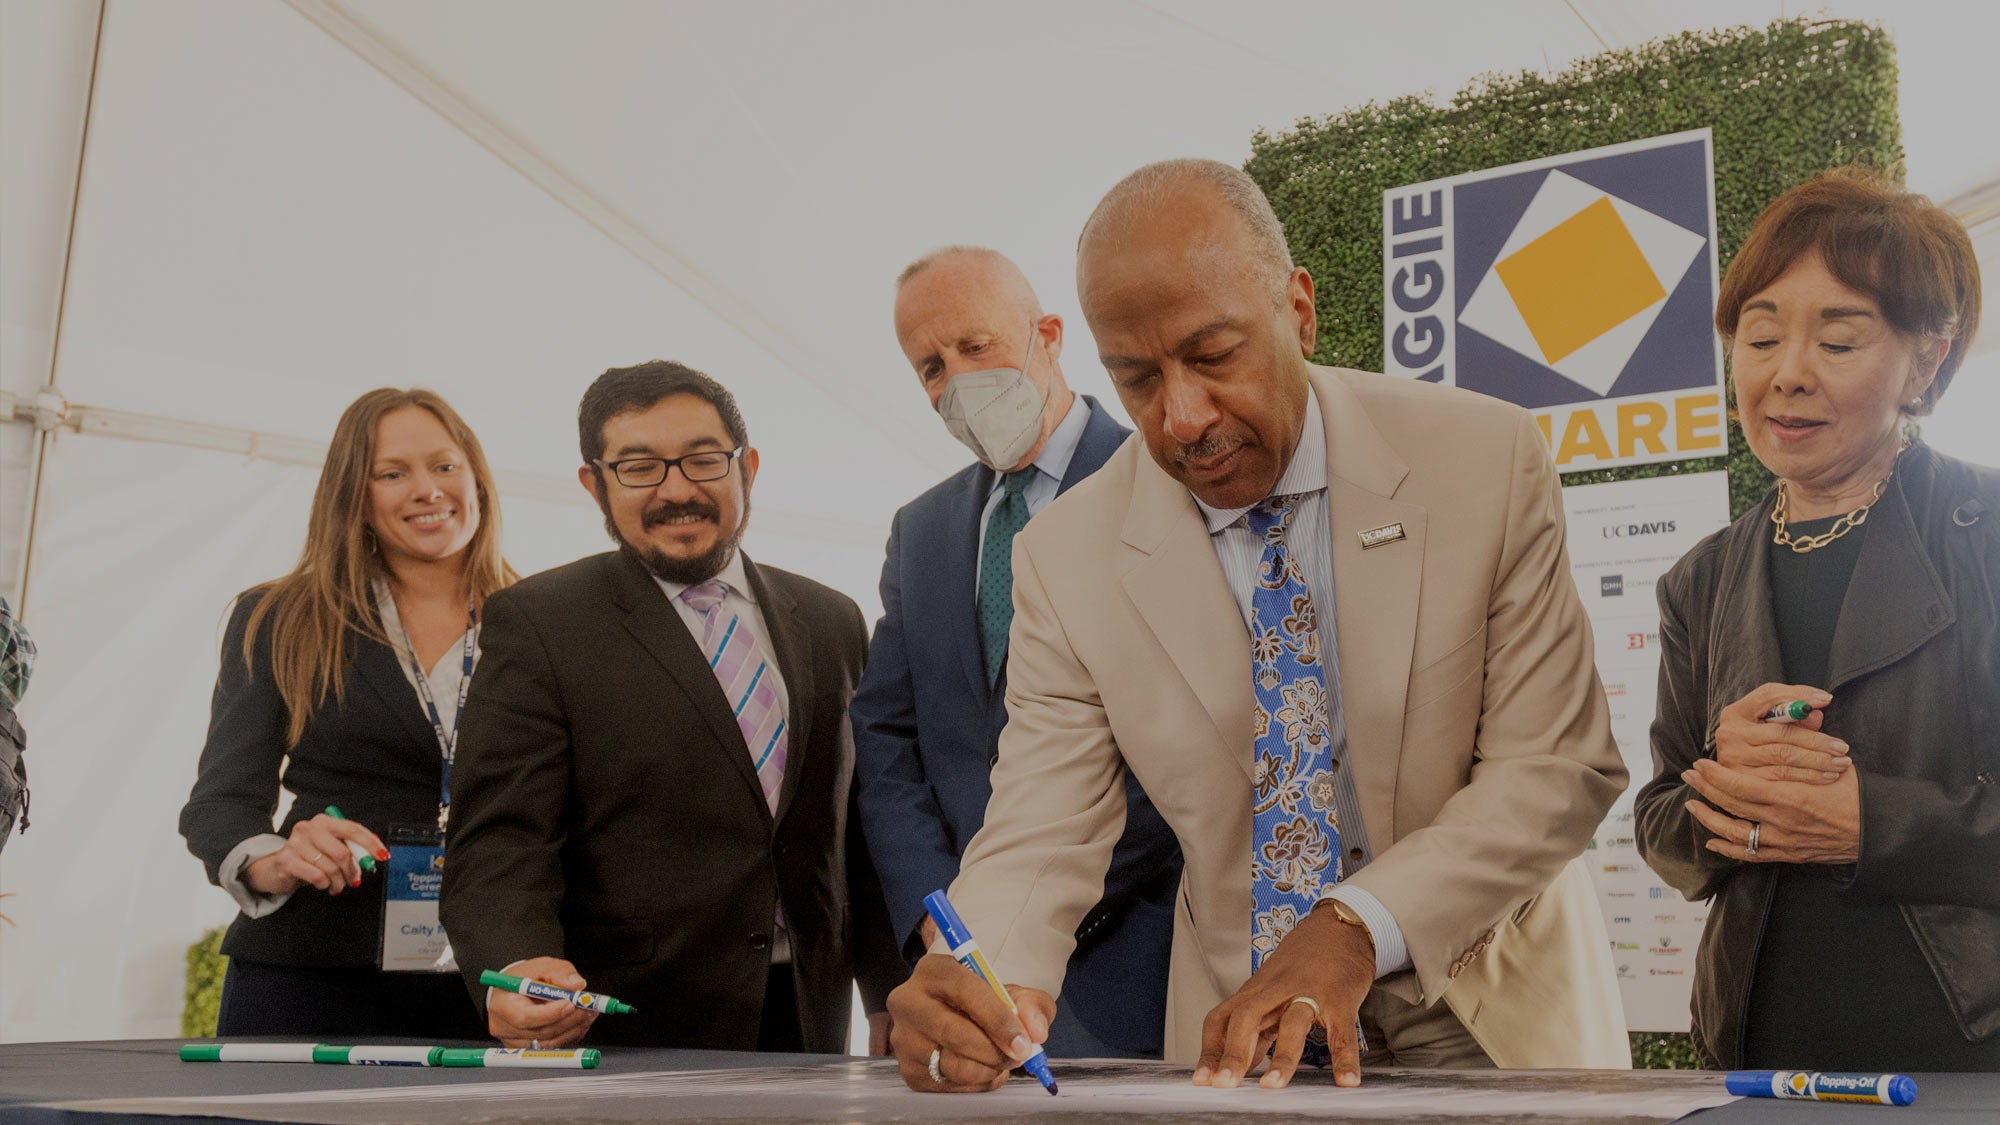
(654, 780)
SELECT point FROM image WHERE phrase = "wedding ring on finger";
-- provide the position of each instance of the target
(937, 1056)
(534, 1044)
(1750, 851)
(1308, 1002)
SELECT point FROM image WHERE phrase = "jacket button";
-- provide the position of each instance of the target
(780, 848)
(1933, 614)
(760, 940)
(1355, 854)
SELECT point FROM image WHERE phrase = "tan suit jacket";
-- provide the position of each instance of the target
(1477, 727)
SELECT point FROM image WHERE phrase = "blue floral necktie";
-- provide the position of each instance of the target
(1294, 830)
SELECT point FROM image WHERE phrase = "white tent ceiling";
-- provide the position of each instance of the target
(284, 203)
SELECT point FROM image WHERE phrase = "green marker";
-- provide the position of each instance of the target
(542, 990)
(585, 1058)
(1793, 712)
(360, 854)
(310, 1053)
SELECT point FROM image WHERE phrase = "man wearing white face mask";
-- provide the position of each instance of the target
(928, 712)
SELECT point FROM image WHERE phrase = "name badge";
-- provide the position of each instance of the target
(1376, 536)
(413, 941)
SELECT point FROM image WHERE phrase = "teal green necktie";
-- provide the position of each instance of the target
(996, 571)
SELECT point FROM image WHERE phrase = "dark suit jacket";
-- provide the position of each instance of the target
(927, 731)
(605, 810)
(371, 753)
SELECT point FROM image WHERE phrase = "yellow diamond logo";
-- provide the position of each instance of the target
(1581, 279)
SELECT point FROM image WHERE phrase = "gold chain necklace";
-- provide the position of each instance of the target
(1841, 526)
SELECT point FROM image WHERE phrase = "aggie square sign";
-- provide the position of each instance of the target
(1581, 287)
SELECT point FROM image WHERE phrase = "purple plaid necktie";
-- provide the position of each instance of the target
(749, 681)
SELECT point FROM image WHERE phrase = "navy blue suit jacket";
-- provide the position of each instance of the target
(927, 731)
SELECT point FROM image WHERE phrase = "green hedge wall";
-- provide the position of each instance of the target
(202, 996)
(1786, 102)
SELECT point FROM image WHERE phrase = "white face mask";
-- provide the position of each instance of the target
(997, 413)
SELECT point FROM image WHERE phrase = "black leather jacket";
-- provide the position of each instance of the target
(1915, 674)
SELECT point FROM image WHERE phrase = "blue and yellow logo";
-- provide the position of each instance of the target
(1579, 286)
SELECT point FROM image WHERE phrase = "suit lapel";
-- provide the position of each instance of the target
(377, 665)
(1743, 642)
(1102, 436)
(1894, 603)
(793, 642)
(958, 580)
(657, 626)
(1179, 589)
(1376, 592)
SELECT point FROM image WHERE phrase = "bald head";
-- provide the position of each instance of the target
(1202, 323)
(967, 308)
(1165, 190)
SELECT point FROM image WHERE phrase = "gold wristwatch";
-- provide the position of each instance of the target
(1350, 916)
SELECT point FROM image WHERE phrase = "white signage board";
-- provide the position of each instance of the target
(1623, 537)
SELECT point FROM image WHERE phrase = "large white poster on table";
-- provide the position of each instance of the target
(1622, 537)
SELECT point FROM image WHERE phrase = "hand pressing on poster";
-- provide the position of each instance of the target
(1319, 975)
(523, 1021)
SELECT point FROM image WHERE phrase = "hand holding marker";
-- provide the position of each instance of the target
(968, 953)
(361, 855)
(542, 990)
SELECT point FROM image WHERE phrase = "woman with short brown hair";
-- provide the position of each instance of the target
(1849, 858)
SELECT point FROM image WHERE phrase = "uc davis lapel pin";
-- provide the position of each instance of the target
(1376, 536)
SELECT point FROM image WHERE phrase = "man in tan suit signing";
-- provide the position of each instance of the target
(1326, 619)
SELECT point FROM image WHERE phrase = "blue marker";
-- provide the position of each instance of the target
(972, 957)
(1874, 1089)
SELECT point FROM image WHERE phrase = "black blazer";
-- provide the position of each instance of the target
(372, 753)
(605, 810)
(1915, 677)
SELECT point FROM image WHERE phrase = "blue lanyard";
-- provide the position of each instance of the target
(447, 739)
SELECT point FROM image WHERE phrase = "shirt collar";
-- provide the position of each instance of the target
(1306, 474)
(1061, 446)
(731, 576)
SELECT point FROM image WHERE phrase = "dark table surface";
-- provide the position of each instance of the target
(34, 1075)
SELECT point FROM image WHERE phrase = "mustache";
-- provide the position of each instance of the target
(1208, 448)
(667, 510)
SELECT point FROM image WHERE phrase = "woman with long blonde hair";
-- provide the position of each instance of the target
(341, 683)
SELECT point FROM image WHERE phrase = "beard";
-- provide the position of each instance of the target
(681, 571)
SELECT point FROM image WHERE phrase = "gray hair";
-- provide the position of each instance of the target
(956, 250)
(1157, 182)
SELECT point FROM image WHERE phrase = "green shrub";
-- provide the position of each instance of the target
(203, 994)
(1786, 102)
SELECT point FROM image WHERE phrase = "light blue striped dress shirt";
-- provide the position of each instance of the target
(1240, 551)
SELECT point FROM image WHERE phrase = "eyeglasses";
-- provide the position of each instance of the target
(649, 472)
